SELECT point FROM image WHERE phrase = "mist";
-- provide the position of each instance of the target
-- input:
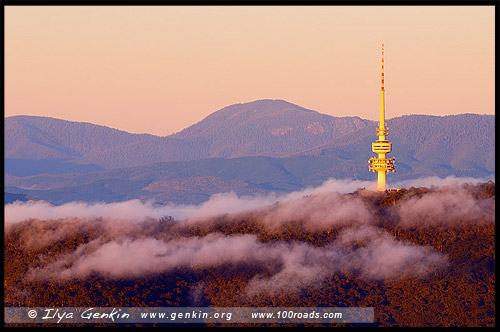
(128, 241)
(222, 203)
(380, 257)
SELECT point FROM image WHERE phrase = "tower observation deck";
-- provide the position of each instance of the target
(381, 146)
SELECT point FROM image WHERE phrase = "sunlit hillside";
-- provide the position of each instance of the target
(419, 256)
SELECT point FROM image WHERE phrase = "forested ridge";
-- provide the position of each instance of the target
(275, 128)
(455, 289)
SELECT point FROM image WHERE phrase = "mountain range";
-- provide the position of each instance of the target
(272, 128)
(256, 147)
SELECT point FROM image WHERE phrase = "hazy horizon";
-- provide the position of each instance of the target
(160, 69)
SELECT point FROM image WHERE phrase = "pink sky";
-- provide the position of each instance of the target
(161, 69)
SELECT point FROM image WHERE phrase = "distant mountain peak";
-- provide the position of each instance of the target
(258, 114)
(257, 107)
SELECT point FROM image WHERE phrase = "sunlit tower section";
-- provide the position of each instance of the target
(381, 146)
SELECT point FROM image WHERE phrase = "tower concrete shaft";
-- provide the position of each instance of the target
(381, 146)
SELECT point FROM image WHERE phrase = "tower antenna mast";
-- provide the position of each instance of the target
(381, 146)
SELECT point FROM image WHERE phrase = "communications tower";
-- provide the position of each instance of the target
(381, 146)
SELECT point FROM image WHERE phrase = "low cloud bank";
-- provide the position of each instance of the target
(223, 203)
(436, 181)
(127, 240)
(379, 257)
